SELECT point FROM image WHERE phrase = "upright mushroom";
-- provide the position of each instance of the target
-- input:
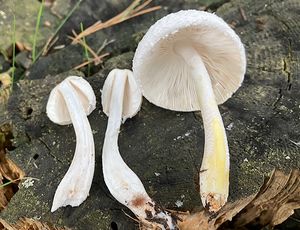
(192, 60)
(69, 103)
(121, 99)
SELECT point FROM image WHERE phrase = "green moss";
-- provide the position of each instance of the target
(97, 219)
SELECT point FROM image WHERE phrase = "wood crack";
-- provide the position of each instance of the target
(287, 72)
(49, 150)
(286, 68)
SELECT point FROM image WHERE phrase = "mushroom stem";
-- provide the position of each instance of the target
(121, 181)
(74, 187)
(214, 173)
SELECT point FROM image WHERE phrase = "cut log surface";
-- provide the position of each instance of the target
(164, 148)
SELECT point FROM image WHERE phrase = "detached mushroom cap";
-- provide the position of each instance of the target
(164, 75)
(132, 95)
(57, 110)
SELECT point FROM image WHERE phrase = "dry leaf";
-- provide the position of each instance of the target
(29, 224)
(276, 200)
(5, 84)
(9, 171)
(273, 204)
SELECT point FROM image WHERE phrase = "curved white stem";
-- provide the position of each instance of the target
(121, 181)
(74, 187)
(214, 174)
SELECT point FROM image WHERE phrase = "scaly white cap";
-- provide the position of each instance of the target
(163, 75)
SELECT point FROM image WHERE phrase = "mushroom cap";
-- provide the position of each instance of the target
(132, 95)
(57, 110)
(164, 76)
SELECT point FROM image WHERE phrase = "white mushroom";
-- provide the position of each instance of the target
(192, 60)
(121, 99)
(69, 103)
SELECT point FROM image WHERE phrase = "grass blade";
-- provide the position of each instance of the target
(37, 26)
(85, 51)
(60, 26)
(13, 50)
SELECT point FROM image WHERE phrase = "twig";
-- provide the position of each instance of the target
(15, 180)
(84, 44)
(104, 44)
(145, 11)
(59, 47)
(9, 182)
(132, 218)
(296, 143)
(243, 14)
(133, 10)
(97, 60)
(50, 42)
(142, 6)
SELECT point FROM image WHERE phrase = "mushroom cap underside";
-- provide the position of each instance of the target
(57, 110)
(132, 99)
(164, 75)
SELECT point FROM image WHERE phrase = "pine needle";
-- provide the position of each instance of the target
(133, 10)
(98, 59)
(49, 42)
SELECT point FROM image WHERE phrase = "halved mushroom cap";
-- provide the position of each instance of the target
(164, 76)
(57, 110)
(132, 93)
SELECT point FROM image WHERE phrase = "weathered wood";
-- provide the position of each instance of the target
(262, 120)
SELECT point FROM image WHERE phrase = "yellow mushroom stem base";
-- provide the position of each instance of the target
(214, 173)
(214, 176)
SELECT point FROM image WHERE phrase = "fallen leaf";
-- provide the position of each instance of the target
(276, 200)
(29, 224)
(5, 85)
(9, 171)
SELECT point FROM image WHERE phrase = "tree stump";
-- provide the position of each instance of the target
(164, 147)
